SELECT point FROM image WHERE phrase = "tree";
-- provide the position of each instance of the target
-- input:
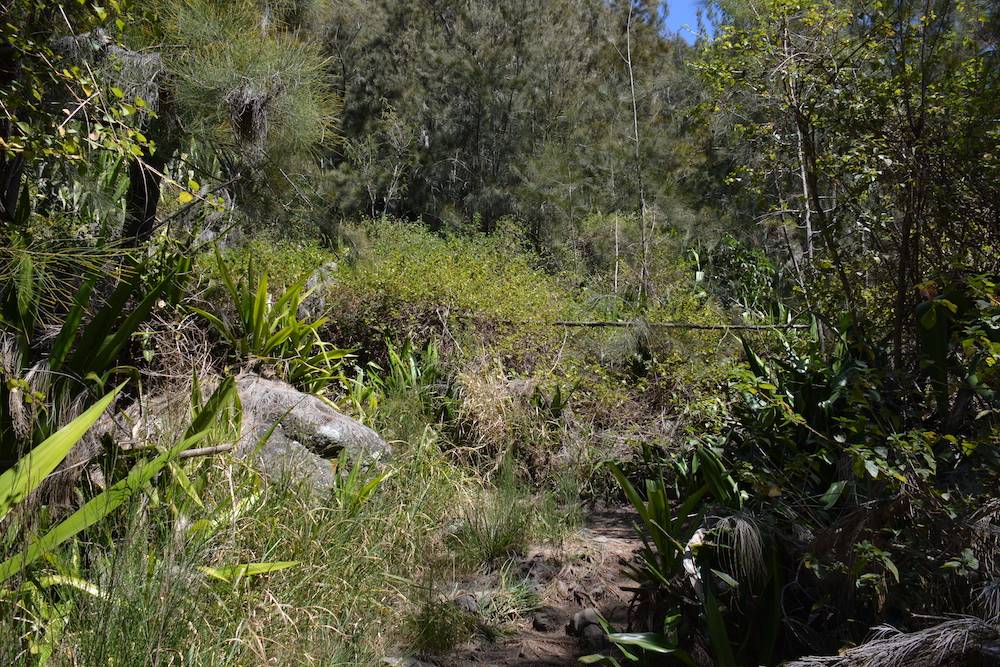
(866, 128)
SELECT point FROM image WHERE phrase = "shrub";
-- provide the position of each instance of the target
(410, 283)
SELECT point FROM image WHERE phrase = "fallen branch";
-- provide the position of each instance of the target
(671, 325)
(955, 643)
(204, 451)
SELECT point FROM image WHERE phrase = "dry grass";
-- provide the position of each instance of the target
(954, 643)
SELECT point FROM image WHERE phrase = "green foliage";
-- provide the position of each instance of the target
(410, 283)
(439, 626)
(93, 337)
(285, 259)
(833, 101)
(41, 552)
(643, 648)
(495, 528)
(664, 530)
(32, 468)
(353, 485)
(266, 332)
(39, 76)
(503, 128)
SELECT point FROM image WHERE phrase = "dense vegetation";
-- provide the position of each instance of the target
(559, 258)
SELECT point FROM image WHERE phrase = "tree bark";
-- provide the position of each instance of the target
(146, 175)
(11, 166)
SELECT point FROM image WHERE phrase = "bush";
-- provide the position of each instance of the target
(400, 280)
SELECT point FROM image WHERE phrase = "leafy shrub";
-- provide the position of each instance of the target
(830, 503)
(286, 260)
(271, 332)
(410, 283)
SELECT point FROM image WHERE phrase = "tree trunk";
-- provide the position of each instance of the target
(11, 166)
(145, 177)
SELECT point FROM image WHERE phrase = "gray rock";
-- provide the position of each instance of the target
(406, 662)
(548, 619)
(309, 432)
(467, 603)
(593, 637)
(582, 620)
(307, 419)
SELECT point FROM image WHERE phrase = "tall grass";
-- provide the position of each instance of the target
(342, 603)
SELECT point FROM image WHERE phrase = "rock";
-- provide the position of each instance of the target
(305, 418)
(467, 603)
(406, 662)
(593, 637)
(582, 620)
(309, 434)
(548, 619)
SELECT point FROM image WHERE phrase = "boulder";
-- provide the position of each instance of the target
(308, 435)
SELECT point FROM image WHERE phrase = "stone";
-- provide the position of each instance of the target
(406, 662)
(593, 637)
(467, 603)
(548, 619)
(583, 619)
(309, 433)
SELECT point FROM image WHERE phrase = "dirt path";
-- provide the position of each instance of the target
(584, 572)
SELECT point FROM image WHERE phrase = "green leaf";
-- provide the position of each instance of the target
(185, 483)
(718, 636)
(221, 327)
(726, 579)
(651, 641)
(78, 583)
(832, 494)
(223, 396)
(67, 333)
(889, 565)
(232, 573)
(93, 511)
(929, 319)
(17, 482)
(109, 350)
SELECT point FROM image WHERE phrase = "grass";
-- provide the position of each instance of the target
(496, 442)
(341, 604)
(494, 527)
(438, 626)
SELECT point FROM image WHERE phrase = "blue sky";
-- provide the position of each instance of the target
(682, 12)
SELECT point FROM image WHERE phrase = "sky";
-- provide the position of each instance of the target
(681, 14)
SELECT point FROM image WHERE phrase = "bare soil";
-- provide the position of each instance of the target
(585, 571)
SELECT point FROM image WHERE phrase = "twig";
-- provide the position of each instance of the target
(204, 451)
(651, 325)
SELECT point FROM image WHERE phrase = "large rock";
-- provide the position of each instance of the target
(308, 435)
